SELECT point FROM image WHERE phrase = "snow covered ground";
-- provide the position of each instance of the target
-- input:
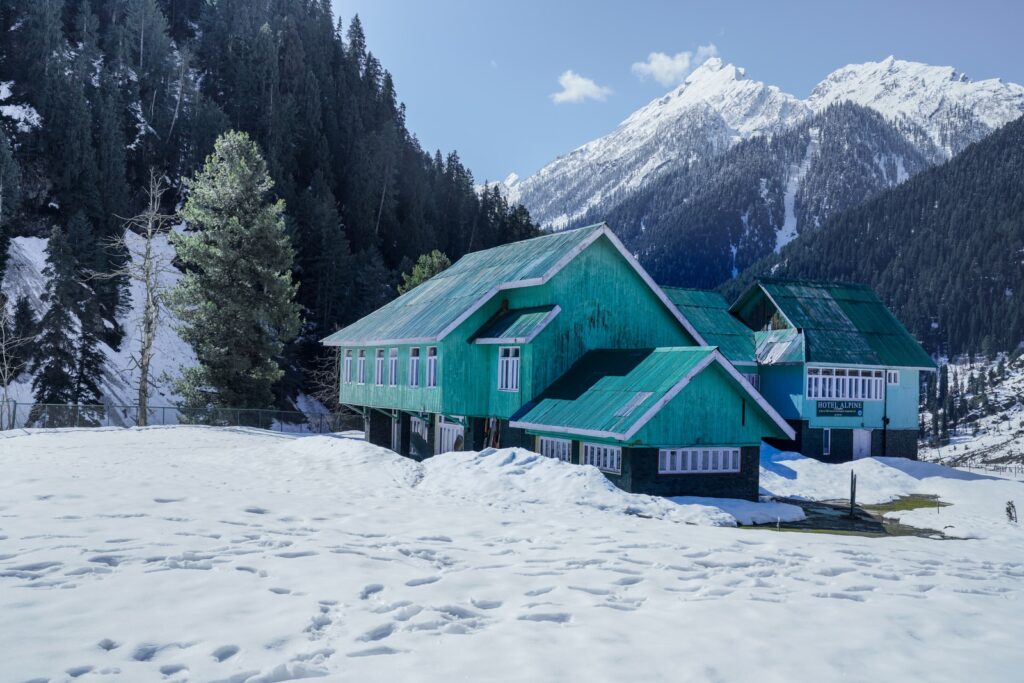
(201, 554)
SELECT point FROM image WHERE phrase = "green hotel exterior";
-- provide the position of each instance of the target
(564, 345)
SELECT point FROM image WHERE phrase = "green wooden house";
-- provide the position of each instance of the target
(836, 363)
(465, 359)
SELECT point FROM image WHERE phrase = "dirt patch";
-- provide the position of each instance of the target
(834, 517)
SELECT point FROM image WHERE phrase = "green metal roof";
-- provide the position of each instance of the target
(708, 311)
(517, 326)
(594, 394)
(842, 323)
(434, 308)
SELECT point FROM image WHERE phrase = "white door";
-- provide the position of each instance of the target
(861, 443)
(447, 434)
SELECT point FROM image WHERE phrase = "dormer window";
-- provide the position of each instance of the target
(508, 368)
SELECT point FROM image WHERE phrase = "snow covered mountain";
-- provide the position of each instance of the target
(952, 110)
(717, 106)
(938, 110)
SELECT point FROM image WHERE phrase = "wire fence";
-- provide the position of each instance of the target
(55, 416)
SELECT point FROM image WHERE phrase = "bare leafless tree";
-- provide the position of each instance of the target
(150, 267)
(13, 361)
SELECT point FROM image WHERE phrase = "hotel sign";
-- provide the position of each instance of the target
(840, 408)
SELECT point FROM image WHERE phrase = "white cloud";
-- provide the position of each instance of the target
(671, 70)
(576, 88)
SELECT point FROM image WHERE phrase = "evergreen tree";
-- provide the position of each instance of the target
(55, 357)
(236, 299)
(10, 195)
(25, 326)
(427, 266)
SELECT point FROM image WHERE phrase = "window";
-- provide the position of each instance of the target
(604, 458)
(432, 366)
(710, 460)
(361, 368)
(845, 383)
(892, 376)
(414, 367)
(508, 368)
(754, 379)
(378, 368)
(560, 449)
(826, 441)
(347, 373)
(393, 367)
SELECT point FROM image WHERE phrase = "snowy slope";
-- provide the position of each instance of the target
(119, 386)
(992, 439)
(224, 554)
(953, 110)
(936, 108)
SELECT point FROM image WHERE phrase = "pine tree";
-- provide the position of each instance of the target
(427, 266)
(10, 195)
(236, 300)
(55, 357)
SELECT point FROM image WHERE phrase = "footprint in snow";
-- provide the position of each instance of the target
(379, 633)
(412, 583)
(554, 617)
(108, 644)
(486, 604)
(171, 669)
(77, 671)
(371, 589)
(224, 652)
(168, 500)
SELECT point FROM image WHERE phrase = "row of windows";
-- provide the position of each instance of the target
(849, 383)
(386, 373)
(559, 449)
(354, 369)
(690, 460)
(604, 458)
(670, 460)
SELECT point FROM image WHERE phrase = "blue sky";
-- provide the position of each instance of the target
(478, 76)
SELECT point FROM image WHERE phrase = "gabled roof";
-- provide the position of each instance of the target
(613, 393)
(708, 311)
(432, 310)
(841, 323)
(516, 326)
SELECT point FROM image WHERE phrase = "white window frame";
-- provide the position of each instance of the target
(702, 460)
(414, 367)
(378, 368)
(347, 372)
(509, 363)
(826, 442)
(892, 377)
(432, 367)
(604, 457)
(844, 384)
(393, 367)
(559, 449)
(361, 367)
